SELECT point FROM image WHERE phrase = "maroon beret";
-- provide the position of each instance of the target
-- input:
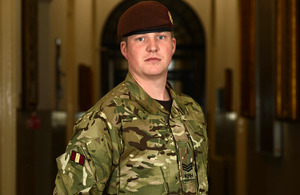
(144, 17)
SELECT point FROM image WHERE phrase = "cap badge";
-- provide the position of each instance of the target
(170, 17)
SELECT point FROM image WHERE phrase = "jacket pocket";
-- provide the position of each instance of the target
(145, 134)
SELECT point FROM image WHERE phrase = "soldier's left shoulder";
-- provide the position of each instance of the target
(188, 101)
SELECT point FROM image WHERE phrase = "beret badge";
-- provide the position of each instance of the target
(170, 18)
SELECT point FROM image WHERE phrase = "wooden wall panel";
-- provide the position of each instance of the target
(288, 74)
(247, 12)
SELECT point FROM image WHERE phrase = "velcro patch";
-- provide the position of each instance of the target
(187, 161)
(77, 157)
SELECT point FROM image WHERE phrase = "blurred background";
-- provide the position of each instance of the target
(239, 59)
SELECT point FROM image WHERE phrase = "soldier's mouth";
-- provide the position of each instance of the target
(152, 60)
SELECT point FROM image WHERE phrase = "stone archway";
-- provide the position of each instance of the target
(187, 71)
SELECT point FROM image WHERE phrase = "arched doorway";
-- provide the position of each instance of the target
(187, 70)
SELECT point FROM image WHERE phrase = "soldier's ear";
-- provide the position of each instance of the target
(173, 45)
(123, 48)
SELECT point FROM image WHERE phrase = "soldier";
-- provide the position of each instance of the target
(142, 137)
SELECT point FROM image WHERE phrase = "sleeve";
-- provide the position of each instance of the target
(87, 164)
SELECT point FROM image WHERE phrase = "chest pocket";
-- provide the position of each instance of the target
(145, 134)
(197, 131)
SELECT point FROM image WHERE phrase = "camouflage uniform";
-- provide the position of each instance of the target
(129, 144)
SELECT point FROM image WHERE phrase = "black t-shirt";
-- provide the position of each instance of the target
(167, 104)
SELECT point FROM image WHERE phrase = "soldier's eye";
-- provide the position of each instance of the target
(140, 39)
(161, 37)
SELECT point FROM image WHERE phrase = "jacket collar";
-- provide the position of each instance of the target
(137, 93)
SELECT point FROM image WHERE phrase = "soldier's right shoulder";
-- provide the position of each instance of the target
(105, 110)
(119, 92)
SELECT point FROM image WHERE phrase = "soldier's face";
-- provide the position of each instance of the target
(149, 54)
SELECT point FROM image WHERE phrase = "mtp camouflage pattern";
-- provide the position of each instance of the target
(128, 143)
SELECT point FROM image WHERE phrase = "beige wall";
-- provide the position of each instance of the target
(84, 35)
(227, 44)
(45, 61)
(9, 64)
(52, 24)
(79, 26)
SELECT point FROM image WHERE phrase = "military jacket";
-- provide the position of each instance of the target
(128, 143)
